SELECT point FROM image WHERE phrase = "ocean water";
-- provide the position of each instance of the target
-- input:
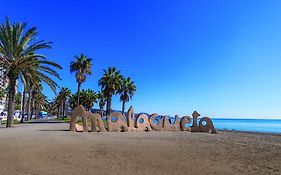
(256, 125)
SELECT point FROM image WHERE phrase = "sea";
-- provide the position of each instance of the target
(252, 125)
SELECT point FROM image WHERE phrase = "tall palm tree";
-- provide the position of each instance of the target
(64, 94)
(110, 83)
(101, 100)
(82, 67)
(2, 93)
(88, 98)
(23, 104)
(40, 103)
(73, 101)
(127, 91)
(57, 104)
(34, 89)
(18, 49)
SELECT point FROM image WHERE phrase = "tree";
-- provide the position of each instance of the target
(18, 101)
(73, 101)
(64, 94)
(23, 104)
(82, 67)
(110, 83)
(41, 102)
(60, 101)
(57, 104)
(18, 50)
(2, 93)
(101, 100)
(88, 98)
(126, 91)
(33, 90)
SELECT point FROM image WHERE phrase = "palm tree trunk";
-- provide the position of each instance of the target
(32, 107)
(23, 106)
(11, 102)
(29, 105)
(101, 111)
(123, 106)
(63, 110)
(78, 94)
(6, 102)
(58, 112)
(108, 105)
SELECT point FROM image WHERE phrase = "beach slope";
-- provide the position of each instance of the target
(49, 149)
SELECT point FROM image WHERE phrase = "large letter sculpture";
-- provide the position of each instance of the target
(141, 123)
(185, 120)
(168, 126)
(159, 125)
(79, 111)
(131, 119)
(96, 122)
(118, 125)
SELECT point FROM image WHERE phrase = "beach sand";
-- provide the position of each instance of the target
(48, 149)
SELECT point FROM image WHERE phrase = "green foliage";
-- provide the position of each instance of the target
(18, 101)
(2, 93)
(101, 100)
(127, 89)
(73, 101)
(41, 102)
(61, 98)
(82, 67)
(88, 98)
(15, 121)
(63, 95)
(18, 49)
(110, 83)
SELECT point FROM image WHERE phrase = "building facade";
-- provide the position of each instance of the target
(3, 88)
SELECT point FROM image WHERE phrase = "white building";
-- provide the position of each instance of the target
(3, 87)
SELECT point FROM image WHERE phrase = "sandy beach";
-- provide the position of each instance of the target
(49, 149)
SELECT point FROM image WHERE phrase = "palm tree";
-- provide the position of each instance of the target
(17, 101)
(57, 104)
(73, 101)
(88, 98)
(23, 104)
(34, 89)
(40, 103)
(2, 93)
(64, 94)
(82, 67)
(127, 91)
(18, 51)
(101, 100)
(110, 83)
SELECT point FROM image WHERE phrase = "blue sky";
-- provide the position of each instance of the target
(221, 58)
